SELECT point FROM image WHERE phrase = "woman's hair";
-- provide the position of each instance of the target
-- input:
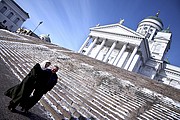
(43, 64)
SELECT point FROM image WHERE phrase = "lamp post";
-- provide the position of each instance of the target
(38, 26)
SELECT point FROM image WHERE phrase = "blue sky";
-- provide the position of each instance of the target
(68, 21)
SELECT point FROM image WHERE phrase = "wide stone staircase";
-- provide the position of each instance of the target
(88, 89)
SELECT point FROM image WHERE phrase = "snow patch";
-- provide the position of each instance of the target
(86, 65)
(164, 99)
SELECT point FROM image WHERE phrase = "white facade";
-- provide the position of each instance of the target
(142, 51)
(12, 15)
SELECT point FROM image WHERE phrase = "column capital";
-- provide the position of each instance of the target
(84, 44)
(115, 41)
(90, 36)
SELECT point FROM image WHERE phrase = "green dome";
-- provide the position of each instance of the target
(155, 18)
(45, 37)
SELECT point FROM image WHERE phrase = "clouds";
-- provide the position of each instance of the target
(68, 21)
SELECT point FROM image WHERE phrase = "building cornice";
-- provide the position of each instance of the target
(116, 34)
(99, 28)
(13, 5)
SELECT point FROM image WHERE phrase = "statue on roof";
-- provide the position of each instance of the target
(167, 30)
(97, 25)
(157, 14)
(121, 21)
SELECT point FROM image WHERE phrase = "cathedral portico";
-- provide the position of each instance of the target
(141, 51)
(113, 48)
(114, 52)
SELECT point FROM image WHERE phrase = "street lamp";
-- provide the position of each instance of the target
(37, 26)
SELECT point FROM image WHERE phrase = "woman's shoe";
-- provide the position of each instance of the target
(22, 109)
(11, 106)
(26, 111)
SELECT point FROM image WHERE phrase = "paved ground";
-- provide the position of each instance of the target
(7, 80)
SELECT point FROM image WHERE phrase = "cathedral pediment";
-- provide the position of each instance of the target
(117, 29)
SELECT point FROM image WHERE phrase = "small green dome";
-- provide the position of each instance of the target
(167, 30)
(45, 37)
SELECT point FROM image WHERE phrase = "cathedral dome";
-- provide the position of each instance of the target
(153, 21)
(155, 18)
(45, 37)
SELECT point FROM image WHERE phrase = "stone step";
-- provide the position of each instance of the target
(11, 57)
(48, 106)
(74, 101)
(58, 106)
(155, 114)
(89, 105)
(11, 65)
(125, 100)
(166, 112)
(74, 76)
(82, 88)
(143, 117)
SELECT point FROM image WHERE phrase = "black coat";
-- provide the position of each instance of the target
(46, 82)
(24, 89)
(52, 82)
(42, 86)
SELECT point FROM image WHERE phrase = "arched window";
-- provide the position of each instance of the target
(151, 30)
(145, 28)
(16, 20)
(157, 48)
(10, 15)
(3, 9)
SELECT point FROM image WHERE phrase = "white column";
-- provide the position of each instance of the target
(131, 58)
(102, 44)
(120, 54)
(91, 46)
(110, 51)
(134, 64)
(84, 44)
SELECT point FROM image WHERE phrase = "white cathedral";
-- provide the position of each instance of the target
(142, 51)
